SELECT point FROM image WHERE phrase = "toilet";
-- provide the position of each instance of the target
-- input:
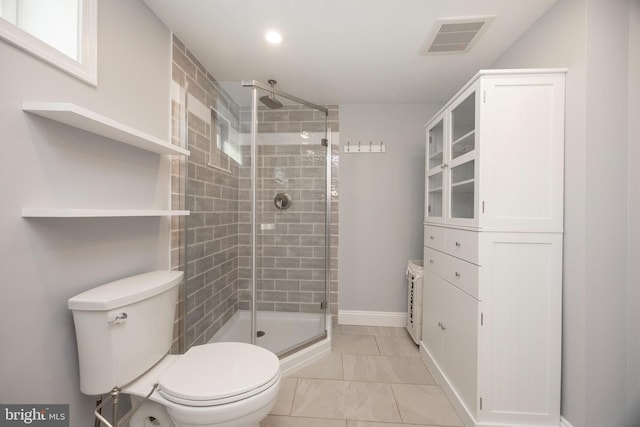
(124, 331)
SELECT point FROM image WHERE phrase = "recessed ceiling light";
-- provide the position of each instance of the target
(273, 37)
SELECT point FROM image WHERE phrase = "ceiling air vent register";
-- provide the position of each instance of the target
(455, 35)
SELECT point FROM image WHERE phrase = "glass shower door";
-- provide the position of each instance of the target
(289, 220)
(256, 242)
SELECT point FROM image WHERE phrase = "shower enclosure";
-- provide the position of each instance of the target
(256, 244)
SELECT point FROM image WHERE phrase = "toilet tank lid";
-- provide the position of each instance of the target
(125, 291)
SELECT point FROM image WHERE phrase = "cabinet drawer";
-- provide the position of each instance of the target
(461, 274)
(462, 244)
(434, 261)
(434, 237)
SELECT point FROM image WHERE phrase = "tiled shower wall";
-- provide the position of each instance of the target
(217, 233)
(291, 249)
(211, 237)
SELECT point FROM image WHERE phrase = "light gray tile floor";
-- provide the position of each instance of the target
(374, 377)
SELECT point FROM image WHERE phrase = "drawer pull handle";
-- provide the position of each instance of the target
(458, 244)
(432, 238)
(457, 274)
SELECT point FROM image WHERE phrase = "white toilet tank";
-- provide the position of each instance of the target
(123, 328)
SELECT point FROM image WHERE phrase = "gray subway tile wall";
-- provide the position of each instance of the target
(212, 244)
(290, 242)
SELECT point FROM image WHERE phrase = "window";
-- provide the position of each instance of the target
(224, 144)
(61, 32)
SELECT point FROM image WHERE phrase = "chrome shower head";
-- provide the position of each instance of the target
(270, 100)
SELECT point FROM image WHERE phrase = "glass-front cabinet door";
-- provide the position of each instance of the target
(434, 203)
(452, 164)
(462, 161)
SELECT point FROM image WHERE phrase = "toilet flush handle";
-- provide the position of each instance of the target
(121, 317)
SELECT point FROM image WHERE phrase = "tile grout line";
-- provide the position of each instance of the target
(295, 393)
(395, 400)
(375, 338)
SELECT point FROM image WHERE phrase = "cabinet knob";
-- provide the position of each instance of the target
(457, 274)
(458, 244)
(432, 238)
(430, 261)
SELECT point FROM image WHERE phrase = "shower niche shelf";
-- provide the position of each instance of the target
(98, 213)
(81, 118)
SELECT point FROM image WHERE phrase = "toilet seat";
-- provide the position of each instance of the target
(218, 374)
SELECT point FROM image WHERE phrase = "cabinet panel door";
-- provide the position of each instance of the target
(521, 336)
(461, 343)
(522, 152)
(432, 312)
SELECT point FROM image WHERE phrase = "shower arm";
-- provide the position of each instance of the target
(273, 91)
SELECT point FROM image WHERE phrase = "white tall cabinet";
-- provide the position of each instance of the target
(492, 294)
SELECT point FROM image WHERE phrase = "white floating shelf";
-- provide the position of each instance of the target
(97, 213)
(81, 118)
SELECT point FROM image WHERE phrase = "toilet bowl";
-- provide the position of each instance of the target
(124, 332)
(221, 384)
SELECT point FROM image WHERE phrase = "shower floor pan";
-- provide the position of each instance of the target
(282, 331)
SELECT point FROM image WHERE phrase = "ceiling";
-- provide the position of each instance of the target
(344, 51)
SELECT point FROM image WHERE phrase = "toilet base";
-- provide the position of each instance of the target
(246, 412)
(151, 414)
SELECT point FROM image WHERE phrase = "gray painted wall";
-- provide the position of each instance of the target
(46, 261)
(381, 204)
(600, 331)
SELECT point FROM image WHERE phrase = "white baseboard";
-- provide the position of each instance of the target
(372, 318)
(564, 422)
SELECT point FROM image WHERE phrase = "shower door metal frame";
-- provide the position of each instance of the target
(268, 88)
(326, 142)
